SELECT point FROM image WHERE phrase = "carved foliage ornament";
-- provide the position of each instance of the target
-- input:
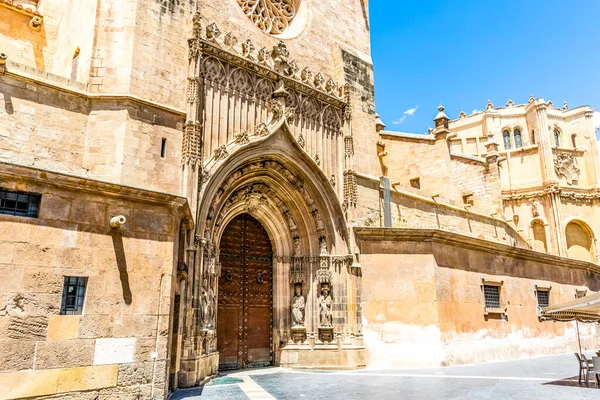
(564, 165)
(271, 16)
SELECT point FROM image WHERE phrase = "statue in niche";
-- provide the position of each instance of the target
(297, 247)
(325, 306)
(323, 246)
(535, 208)
(298, 305)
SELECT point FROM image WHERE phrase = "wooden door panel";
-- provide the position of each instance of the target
(228, 335)
(245, 295)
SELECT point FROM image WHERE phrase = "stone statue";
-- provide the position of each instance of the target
(298, 305)
(297, 247)
(325, 306)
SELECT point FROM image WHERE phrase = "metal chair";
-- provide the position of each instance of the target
(596, 371)
(583, 367)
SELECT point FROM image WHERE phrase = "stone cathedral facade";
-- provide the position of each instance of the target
(188, 186)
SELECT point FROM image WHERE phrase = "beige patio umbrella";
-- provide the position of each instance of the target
(585, 309)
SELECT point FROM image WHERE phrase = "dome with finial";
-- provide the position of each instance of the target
(531, 98)
(510, 103)
(489, 106)
(566, 106)
(441, 119)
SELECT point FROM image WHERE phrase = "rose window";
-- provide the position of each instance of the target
(271, 16)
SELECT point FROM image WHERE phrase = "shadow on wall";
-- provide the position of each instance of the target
(19, 31)
(117, 239)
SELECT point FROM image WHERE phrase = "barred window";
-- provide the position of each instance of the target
(19, 204)
(73, 295)
(543, 298)
(492, 296)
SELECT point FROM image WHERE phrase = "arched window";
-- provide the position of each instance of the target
(579, 242)
(518, 139)
(557, 137)
(507, 144)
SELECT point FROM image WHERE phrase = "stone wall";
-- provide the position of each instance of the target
(53, 124)
(119, 345)
(423, 303)
(411, 208)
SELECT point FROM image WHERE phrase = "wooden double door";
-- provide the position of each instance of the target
(245, 306)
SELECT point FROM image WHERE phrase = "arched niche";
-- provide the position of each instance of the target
(580, 241)
(538, 234)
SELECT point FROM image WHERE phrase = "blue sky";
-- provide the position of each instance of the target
(463, 52)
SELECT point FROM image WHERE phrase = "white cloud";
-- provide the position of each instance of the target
(408, 113)
(411, 111)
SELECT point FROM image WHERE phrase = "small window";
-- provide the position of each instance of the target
(468, 199)
(163, 148)
(543, 297)
(557, 137)
(532, 136)
(19, 204)
(492, 296)
(415, 183)
(518, 139)
(507, 143)
(574, 140)
(73, 295)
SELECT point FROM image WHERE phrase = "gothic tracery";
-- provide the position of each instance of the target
(271, 16)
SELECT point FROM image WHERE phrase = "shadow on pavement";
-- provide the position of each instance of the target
(574, 381)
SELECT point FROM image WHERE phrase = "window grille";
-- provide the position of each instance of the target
(492, 296)
(20, 204)
(73, 295)
(507, 143)
(543, 298)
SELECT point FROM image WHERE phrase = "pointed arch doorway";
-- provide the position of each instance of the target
(245, 296)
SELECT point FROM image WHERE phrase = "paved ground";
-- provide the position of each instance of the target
(553, 377)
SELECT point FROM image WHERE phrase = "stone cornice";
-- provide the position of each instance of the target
(571, 193)
(81, 184)
(19, 72)
(470, 243)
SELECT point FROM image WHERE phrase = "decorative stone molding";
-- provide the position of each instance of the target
(191, 152)
(243, 138)
(349, 146)
(350, 188)
(221, 153)
(564, 165)
(273, 65)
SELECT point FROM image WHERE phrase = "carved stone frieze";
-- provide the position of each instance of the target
(348, 146)
(261, 130)
(273, 65)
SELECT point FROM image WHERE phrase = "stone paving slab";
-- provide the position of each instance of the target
(544, 378)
